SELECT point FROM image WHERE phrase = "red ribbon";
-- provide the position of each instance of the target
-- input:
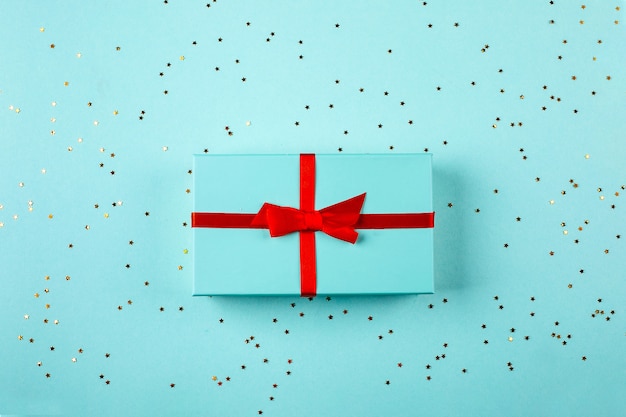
(339, 221)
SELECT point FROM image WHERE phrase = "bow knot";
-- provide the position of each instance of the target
(337, 220)
(313, 220)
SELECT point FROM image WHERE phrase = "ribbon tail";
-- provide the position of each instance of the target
(345, 212)
(347, 234)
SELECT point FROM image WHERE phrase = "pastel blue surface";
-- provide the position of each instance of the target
(250, 262)
(521, 104)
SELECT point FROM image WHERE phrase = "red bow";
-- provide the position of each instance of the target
(337, 220)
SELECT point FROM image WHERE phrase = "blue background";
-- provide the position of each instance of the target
(521, 104)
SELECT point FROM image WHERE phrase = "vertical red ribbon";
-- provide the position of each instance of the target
(308, 269)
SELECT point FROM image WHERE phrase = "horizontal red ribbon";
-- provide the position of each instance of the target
(339, 221)
(366, 221)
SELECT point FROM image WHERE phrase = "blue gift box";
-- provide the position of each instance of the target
(248, 261)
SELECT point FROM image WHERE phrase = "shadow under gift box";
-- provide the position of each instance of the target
(248, 261)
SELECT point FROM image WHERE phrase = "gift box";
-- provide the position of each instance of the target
(312, 224)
